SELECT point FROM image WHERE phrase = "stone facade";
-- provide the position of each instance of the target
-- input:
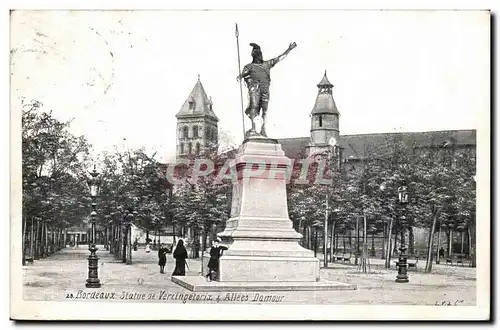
(197, 124)
(324, 120)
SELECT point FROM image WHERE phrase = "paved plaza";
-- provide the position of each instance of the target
(62, 276)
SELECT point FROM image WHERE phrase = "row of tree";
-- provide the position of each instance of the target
(439, 180)
(54, 193)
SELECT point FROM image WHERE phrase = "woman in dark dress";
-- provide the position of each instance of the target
(180, 255)
(162, 258)
(213, 265)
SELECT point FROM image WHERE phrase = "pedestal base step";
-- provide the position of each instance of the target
(201, 284)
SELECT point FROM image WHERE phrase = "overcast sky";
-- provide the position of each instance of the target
(126, 74)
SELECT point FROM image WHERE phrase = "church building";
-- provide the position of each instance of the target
(197, 124)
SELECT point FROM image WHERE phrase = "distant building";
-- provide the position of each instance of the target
(197, 127)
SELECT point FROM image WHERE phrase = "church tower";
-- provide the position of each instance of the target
(324, 119)
(197, 130)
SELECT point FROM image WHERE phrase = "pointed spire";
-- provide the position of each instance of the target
(324, 101)
(325, 82)
(197, 103)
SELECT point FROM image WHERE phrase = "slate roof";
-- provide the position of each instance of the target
(202, 104)
(324, 101)
(366, 145)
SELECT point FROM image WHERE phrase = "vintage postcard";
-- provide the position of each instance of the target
(256, 164)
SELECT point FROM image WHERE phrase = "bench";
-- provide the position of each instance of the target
(411, 261)
(28, 260)
(457, 258)
(342, 257)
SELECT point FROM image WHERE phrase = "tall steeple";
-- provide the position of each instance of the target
(324, 118)
(196, 123)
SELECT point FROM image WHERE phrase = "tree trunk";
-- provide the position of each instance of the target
(430, 244)
(332, 240)
(129, 245)
(384, 240)
(310, 238)
(462, 242)
(469, 242)
(124, 249)
(357, 242)
(388, 250)
(46, 240)
(350, 240)
(204, 240)
(315, 242)
(42, 240)
(395, 246)
(32, 238)
(24, 225)
(450, 243)
(343, 241)
(411, 241)
(37, 240)
(53, 240)
(438, 257)
(173, 232)
(357, 237)
(373, 245)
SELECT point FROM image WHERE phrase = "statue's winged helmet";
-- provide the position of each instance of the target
(256, 53)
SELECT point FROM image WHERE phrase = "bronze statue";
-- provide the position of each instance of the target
(257, 76)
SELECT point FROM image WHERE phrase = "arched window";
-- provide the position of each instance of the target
(182, 148)
(195, 131)
(190, 148)
(185, 132)
(197, 148)
(320, 120)
(191, 105)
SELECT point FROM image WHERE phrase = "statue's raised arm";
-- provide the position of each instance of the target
(285, 53)
(257, 77)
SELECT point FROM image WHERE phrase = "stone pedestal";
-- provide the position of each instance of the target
(264, 250)
(263, 246)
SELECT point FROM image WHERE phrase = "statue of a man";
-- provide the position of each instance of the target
(257, 76)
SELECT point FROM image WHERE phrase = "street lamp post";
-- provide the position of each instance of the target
(93, 261)
(402, 276)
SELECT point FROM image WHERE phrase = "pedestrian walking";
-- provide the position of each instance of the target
(162, 258)
(180, 255)
(213, 264)
(148, 248)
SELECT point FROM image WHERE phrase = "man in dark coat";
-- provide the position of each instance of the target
(213, 265)
(162, 258)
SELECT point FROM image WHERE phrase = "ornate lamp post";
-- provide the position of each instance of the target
(402, 276)
(93, 279)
